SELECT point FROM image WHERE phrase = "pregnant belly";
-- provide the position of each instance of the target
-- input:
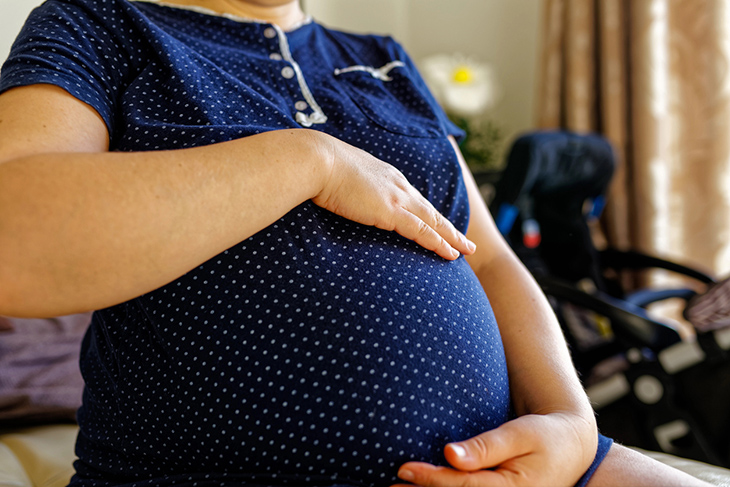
(339, 353)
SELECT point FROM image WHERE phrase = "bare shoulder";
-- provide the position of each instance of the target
(43, 118)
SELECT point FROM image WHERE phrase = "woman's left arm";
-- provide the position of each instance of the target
(554, 439)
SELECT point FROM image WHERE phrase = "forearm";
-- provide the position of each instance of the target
(542, 376)
(82, 231)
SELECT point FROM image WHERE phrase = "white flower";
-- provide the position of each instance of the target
(462, 86)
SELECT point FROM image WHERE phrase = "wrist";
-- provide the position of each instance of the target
(583, 413)
(320, 150)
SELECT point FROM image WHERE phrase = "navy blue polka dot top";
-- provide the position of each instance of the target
(318, 351)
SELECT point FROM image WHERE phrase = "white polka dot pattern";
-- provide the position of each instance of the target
(317, 352)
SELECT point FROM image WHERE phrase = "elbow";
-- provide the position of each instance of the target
(25, 301)
(6, 289)
(11, 296)
(11, 304)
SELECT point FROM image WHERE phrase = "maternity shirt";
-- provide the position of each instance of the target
(317, 352)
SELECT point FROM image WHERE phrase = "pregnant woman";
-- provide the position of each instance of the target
(269, 217)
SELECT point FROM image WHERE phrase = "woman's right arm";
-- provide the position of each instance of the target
(82, 228)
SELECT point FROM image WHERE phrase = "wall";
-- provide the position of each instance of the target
(504, 33)
(12, 15)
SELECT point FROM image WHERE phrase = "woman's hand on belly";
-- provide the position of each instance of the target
(530, 450)
(367, 190)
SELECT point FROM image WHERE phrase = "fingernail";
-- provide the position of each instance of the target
(454, 253)
(406, 474)
(471, 246)
(459, 451)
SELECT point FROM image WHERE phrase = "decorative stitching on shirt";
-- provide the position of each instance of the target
(379, 73)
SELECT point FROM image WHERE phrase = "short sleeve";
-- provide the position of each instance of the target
(447, 125)
(69, 44)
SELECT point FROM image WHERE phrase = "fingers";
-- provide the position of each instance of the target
(499, 449)
(511, 440)
(426, 475)
(367, 190)
(529, 450)
(431, 230)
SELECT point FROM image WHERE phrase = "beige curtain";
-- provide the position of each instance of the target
(653, 77)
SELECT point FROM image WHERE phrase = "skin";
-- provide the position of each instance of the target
(284, 13)
(83, 229)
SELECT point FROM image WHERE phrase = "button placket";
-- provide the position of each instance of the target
(290, 71)
(287, 72)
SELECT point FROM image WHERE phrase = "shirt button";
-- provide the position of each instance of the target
(269, 33)
(301, 105)
(275, 56)
(287, 72)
